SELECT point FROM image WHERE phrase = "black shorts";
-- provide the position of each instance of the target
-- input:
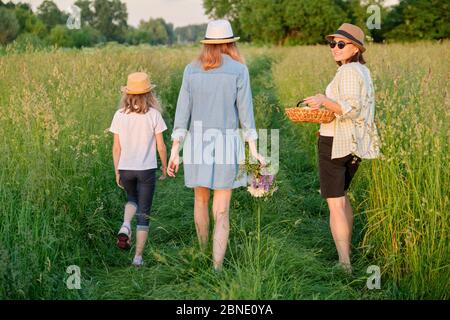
(335, 174)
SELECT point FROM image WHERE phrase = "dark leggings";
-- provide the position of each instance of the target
(140, 187)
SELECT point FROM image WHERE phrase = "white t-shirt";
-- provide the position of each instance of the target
(137, 138)
(327, 129)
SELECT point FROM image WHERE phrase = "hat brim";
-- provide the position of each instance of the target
(146, 90)
(219, 41)
(331, 36)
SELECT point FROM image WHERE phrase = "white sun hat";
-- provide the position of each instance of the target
(219, 31)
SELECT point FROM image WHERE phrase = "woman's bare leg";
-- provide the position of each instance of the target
(341, 223)
(349, 215)
(201, 215)
(221, 207)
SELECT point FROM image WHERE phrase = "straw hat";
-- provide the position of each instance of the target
(138, 83)
(219, 31)
(350, 32)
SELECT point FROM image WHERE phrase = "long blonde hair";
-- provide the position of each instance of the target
(211, 54)
(139, 103)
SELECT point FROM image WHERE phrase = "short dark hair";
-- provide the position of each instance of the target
(358, 57)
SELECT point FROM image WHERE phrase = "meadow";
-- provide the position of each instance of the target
(60, 206)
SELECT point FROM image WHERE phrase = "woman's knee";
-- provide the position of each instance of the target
(221, 212)
(202, 196)
(336, 204)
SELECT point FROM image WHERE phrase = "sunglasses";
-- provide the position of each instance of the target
(340, 44)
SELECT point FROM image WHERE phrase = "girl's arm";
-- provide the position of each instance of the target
(162, 153)
(116, 149)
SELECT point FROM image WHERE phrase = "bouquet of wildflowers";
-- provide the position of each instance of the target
(261, 180)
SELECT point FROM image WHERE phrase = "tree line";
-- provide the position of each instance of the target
(281, 22)
(288, 22)
(101, 21)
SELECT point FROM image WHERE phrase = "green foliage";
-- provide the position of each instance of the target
(190, 34)
(9, 26)
(28, 22)
(50, 14)
(109, 17)
(308, 21)
(419, 19)
(85, 37)
(280, 21)
(153, 31)
(60, 36)
(87, 11)
(27, 42)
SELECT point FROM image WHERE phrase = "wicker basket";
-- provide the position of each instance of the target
(305, 114)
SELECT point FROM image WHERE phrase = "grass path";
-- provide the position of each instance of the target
(297, 252)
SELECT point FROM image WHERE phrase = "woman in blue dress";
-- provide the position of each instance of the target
(215, 97)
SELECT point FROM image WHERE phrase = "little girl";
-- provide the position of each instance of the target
(137, 128)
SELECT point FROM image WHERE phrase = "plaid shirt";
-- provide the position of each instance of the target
(355, 130)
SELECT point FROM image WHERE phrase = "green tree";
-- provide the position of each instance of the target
(28, 22)
(50, 14)
(280, 21)
(87, 12)
(111, 19)
(60, 36)
(107, 16)
(309, 21)
(26, 41)
(419, 19)
(85, 37)
(136, 36)
(9, 26)
(153, 31)
(190, 34)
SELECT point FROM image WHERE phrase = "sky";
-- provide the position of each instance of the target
(178, 12)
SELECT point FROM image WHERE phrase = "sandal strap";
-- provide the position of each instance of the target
(129, 230)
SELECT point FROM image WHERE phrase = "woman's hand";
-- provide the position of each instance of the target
(255, 154)
(315, 102)
(118, 180)
(174, 163)
(163, 173)
(260, 158)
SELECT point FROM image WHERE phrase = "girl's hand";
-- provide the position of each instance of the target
(315, 102)
(163, 173)
(174, 163)
(118, 180)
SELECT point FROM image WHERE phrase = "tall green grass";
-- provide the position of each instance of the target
(60, 206)
(56, 191)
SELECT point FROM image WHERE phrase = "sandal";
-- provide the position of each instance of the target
(124, 238)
